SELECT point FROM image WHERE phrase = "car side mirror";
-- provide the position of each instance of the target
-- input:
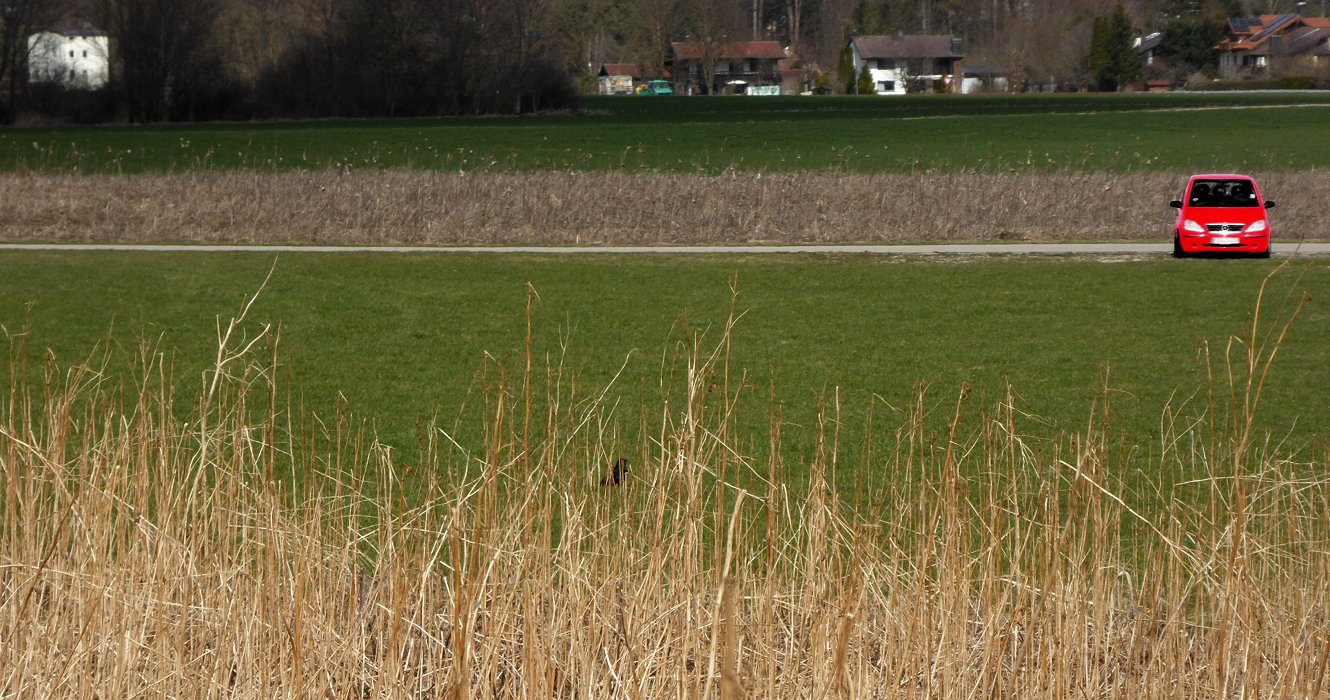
(1176, 204)
(1269, 204)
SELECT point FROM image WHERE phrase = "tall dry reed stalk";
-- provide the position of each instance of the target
(233, 547)
(564, 208)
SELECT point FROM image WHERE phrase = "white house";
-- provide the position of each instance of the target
(76, 55)
(904, 63)
(976, 79)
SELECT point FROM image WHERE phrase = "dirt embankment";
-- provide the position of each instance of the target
(428, 208)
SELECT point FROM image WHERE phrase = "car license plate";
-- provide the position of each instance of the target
(1224, 240)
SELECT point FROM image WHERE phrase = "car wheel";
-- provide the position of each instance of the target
(1178, 252)
(1265, 253)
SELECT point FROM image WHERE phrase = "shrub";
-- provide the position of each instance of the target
(73, 106)
(1288, 82)
(1298, 82)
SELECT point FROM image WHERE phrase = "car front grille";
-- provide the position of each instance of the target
(1224, 228)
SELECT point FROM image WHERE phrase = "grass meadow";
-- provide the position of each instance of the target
(400, 340)
(388, 476)
(1113, 133)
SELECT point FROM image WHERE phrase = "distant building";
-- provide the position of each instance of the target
(75, 54)
(976, 79)
(1254, 44)
(743, 67)
(624, 78)
(909, 62)
(1147, 47)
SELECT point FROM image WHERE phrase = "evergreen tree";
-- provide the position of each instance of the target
(1099, 59)
(1113, 60)
(1189, 43)
(865, 84)
(1127, 62)
(845, 70)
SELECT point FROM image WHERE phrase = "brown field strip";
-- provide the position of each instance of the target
(558, 208)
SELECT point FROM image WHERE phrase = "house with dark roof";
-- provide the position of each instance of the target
(909, 62)
(735, 67)
(1147, 47)
(1255, 44)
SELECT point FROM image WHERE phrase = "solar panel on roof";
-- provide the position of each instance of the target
(1278, 23)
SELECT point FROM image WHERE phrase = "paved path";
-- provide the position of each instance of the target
(1089, 249)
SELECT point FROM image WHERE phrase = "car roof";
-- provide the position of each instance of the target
(1220, 176)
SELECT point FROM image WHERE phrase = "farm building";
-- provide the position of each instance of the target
(623, 78)
(75, 54)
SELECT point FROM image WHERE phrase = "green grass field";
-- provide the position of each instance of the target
(1281, 131)
(839, 533)
(406, 337)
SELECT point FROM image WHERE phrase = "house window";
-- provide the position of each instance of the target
(886, 86)
(85, 54)
(71, 53)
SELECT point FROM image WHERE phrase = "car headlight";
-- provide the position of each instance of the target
(1257, 227)
(1192, 226)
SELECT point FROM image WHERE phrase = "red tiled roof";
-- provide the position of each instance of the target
(636, 71)
(692, 51)
(1252, 33)
(629, 69)
(754, 49)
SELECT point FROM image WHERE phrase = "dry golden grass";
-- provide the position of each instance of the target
(151, 549)
(558, 208)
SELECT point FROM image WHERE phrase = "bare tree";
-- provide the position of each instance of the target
(658, 22)
(712, 24)
(166, 54)
(18, 20)
(255, 34)
(794, 11)
(591, 32)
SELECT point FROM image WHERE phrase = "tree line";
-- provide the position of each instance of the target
(181, 60)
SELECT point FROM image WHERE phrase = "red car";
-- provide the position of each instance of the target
(1221, 214)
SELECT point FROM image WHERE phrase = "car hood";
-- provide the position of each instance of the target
(1215, 215)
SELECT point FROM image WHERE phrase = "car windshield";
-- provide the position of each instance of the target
(1222, 193)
